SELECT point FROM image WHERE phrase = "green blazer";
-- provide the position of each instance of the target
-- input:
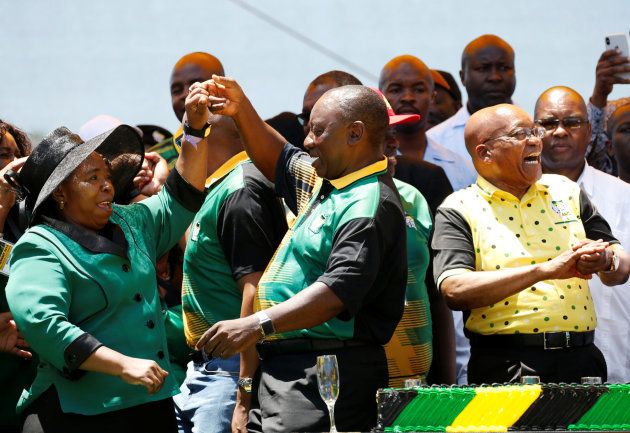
(71, 292)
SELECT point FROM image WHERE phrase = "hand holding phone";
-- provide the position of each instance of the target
(619, 41)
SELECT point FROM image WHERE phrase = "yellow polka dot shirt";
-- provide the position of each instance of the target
(482, 228)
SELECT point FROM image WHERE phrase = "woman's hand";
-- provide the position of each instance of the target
(145, 372)
(10, 338)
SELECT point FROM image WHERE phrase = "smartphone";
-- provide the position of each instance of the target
(619, 41)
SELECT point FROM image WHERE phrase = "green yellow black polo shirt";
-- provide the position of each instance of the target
(482, 228)
(349, 235)
(234, 234)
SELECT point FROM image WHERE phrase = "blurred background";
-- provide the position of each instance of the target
(65, 62)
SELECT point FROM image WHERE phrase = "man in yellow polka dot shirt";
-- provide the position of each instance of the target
(515, 251)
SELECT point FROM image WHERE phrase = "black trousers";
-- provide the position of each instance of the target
(503, 365)
(45, 416)
(286, 397)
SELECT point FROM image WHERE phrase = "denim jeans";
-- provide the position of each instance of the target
(208, 395)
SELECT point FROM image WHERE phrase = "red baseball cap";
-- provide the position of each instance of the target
(396, 119)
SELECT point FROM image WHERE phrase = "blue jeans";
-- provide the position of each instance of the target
(208, 395)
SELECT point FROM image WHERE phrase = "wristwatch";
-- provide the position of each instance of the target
(245, 383)
(614, 262)
(200, 133)
(264, 324)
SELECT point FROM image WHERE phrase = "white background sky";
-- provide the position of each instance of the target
(64, 62)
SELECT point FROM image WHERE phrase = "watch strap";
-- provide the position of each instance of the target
(200, 133)
(266, 326)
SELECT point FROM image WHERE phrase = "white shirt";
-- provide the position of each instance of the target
(460, 171)
(611, 197)
(450, 133)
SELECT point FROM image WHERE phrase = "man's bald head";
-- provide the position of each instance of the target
(483, 42)
(399, 62)
(359, 103)
(488, 122)
(557, 95)
(205, 61)
(505, 147)
(488, 72)
(191, 68)
(347, 129)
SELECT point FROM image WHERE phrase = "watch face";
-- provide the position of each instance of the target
(246, 384)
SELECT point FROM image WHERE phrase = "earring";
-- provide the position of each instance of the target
(61, 204)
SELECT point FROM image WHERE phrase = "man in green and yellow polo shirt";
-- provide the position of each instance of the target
(189, 69)
(336, 284)
(229, 245)
(515, 251)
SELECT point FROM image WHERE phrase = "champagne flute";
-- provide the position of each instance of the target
(328, 383)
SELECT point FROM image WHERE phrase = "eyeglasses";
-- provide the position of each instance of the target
(520, 134)
(551, 124)
(304, 117)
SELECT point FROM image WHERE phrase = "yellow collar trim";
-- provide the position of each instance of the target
(490, 190)
(226, 167)
(369, 170)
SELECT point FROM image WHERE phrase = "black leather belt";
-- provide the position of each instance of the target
(303, 345)
(543, 340)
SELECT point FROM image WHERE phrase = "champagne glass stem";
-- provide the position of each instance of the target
(331, 414)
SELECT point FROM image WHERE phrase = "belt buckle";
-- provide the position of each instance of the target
(567, 341)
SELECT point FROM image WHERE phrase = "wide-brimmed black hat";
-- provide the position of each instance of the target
(62, 151)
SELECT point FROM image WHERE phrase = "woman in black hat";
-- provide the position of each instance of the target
(82, 286)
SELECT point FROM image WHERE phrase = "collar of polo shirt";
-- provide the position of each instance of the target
(348, 179)
(490, 190)
(227, 167)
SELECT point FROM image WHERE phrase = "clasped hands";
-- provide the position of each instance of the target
(220, 95)
(584, 259)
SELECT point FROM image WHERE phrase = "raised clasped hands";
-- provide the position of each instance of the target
(220, 95)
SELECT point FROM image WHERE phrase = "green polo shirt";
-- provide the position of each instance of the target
(234, 234)
(410, 352)
(350, 236)
(72, 290)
